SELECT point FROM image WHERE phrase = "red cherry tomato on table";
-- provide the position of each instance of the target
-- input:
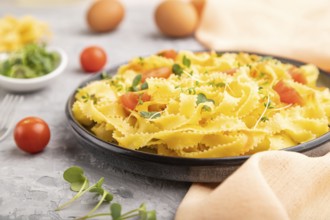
(32, 134)
(93, 59)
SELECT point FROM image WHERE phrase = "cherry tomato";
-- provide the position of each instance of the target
(170, 54)
(31, 134)
(162, 72)
(298, 76)
(93, 59)
(288, 94)
(131, 99)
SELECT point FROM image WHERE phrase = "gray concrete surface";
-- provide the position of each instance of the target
(31, 186)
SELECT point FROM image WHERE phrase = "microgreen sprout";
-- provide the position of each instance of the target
(105, 75)
(116, 213)
(191, 91)
(268, 105)
(262, 117)
(202, 98)
(88, 97)
(140, 101)
(206, 108)
(186, 61)
(150, 115)
(115, 84)
(79, 183)
(177, 69)
(218, 85)
(136, 81)
(144, 86)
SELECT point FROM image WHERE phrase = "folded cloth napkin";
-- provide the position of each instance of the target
(298, 29)
(277, 184)
(270, 185)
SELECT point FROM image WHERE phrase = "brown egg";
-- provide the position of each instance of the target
(176, 18)
(105, 15)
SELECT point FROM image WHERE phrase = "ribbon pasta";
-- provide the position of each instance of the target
(208, 105)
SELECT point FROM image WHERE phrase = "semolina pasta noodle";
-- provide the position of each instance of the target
(17, 32)
(205, 105)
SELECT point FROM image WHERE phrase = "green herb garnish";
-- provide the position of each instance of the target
(144, 86)
(150, 115)
(80, 184)
(88, 97)
(202, 98)
(31, 61)
(136, 81)
(186, 61)
(191, 91)
(177, 69)
(105, 75)
(264, 119)
(268, 105)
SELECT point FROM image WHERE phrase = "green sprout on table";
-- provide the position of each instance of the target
(79, 183)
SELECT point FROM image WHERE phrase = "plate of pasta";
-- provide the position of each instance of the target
(196, 116)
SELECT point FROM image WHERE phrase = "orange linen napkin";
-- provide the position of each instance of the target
(270, 185)
(298, 29)
(277, 184)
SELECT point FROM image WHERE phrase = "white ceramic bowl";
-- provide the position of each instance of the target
(33, 84)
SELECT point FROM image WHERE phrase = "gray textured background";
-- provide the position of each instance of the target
(31, 186)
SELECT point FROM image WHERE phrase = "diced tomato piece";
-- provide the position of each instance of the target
(131, 99)
(287, 94)
(170, 54)
(297, 76)
(162, 72)
(230, 71)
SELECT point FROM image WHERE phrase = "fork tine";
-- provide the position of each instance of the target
(6, 106)
(7, 109)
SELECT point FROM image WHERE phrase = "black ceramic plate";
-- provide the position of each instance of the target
(175, 168)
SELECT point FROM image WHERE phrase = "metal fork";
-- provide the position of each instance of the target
(7, 113)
